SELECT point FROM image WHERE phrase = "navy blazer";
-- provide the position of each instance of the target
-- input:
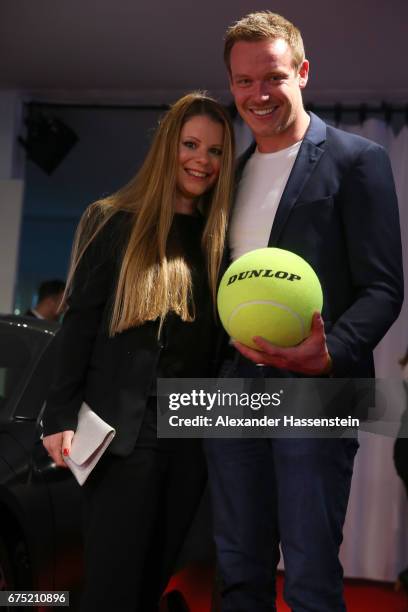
(339, 211)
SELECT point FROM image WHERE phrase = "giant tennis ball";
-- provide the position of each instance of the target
(270, 293)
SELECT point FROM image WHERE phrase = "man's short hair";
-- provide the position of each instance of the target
(50, 288)
(264, 25)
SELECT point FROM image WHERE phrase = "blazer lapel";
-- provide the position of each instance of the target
(309, 154)
(239, 168)
(241, 162)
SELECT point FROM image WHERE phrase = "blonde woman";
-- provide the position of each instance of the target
(141, 292)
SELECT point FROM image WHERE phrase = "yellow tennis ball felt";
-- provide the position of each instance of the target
(271, 293)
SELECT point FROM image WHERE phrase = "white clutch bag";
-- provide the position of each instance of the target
(90, 441)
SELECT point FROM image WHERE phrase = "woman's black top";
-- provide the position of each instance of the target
(187, 346)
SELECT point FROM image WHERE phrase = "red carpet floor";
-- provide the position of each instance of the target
(364, 596)
(195, 583)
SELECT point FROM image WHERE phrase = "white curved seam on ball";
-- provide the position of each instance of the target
(271, 302)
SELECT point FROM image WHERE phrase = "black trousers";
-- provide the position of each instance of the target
(288, 491)
(137, 511)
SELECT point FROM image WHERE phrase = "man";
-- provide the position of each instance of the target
(49, 300)
(329, 197)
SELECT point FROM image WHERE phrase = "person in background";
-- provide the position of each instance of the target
(141, 296)
(329, 197)
(401, 452)
(49, 301)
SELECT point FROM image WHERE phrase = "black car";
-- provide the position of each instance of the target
(40, 504)
(40, 532)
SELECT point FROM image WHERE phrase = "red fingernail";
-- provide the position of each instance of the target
(66, 453)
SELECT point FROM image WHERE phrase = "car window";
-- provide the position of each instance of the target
(15, 358)
(36, 391)
(20, 348)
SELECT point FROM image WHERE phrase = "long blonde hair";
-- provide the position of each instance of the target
(151, 281)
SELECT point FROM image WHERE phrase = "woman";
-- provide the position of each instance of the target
(141, 295)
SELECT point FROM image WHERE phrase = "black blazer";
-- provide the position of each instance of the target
(339, 212)
(113, 375)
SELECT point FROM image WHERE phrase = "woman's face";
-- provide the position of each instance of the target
(200, 154)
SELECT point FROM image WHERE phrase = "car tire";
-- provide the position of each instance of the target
(6, 572)
(15, 571)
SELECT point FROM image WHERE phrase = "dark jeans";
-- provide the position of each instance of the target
(292, 492)
(137, 512)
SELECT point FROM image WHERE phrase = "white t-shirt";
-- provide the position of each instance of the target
(259, 192)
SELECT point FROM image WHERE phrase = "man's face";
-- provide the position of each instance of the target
(267, 88)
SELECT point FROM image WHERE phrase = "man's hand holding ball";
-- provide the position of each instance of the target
(310, 357)
(269, 302)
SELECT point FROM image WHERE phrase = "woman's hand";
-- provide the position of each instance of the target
(57, 445)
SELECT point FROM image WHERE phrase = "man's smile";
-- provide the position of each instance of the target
(263, 112)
